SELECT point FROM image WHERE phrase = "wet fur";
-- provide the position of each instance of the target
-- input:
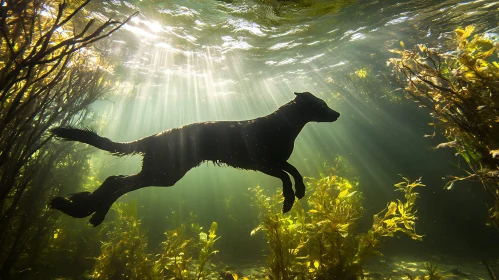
(263, 144)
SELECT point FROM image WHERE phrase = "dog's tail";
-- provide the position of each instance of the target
(90, 137)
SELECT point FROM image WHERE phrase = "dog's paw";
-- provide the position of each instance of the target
(97, 218)
(100, 214)
(77, 205)
(288, 204)
(300, 190)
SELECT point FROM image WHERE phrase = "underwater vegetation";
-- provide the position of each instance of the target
(49, 74)
(320, 241)
(206, 242)
(51, 243)
(172, 263)
(432, 270)
(461, 89)
(124, 251)
(492, 269)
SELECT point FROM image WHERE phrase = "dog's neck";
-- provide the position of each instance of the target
(289, 118)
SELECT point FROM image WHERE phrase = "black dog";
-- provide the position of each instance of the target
(263, 144)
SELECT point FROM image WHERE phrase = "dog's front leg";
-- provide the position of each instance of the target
(287, 186)
(299, 185)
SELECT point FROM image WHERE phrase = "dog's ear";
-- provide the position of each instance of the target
(303, 94)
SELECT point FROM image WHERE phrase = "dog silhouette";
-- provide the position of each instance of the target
(263, 144)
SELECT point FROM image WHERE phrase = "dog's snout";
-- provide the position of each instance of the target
(335, 115)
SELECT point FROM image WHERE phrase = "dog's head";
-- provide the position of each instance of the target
(315, 109)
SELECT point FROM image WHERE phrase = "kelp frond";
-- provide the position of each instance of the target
(461, 89)
(323, 242)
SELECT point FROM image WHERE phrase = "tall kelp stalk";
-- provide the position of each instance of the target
(48, 75)
(461, 88)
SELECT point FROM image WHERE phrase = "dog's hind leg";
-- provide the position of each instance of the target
(112, 189)
(83, 204)
(108, 194)
(287, 186)
(299, 185)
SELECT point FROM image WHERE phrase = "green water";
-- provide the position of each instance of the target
(197, 61)
(180, 62)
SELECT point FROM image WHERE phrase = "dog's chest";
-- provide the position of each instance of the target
(265, 145)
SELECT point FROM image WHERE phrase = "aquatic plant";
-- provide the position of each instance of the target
(399, 216)
(323, 242)
(492, 269)
(47, 77)
(230, 276)
(123, 252)
(461, 90)
(206, 242)
(342, 249)
(173, 260)
(334, 207)
(65, 244)
(285, 235)
(432, 270)
(179, 249)
(52, 241)
(361, 73)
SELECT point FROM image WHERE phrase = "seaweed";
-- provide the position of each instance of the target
(179, 250)
(206, 242)
(174, 258)
(59, 243)
(123, 254)
(285, 235)
(492, 269)
(432, 270)
(49, 75)
(462, 91)
(399, 216)
(323, 242)
(334, 207)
